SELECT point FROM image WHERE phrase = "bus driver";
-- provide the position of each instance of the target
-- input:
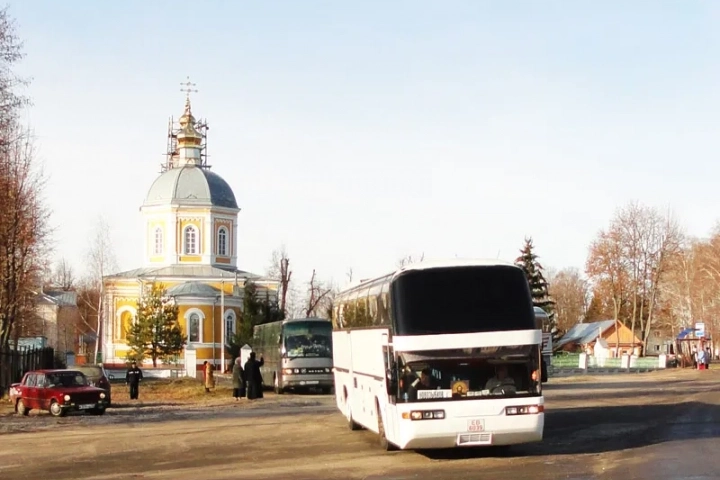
(501, 382)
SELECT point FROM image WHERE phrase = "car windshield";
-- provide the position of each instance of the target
(308, 339)
(481, 373)
(462, 300)
(65, 379)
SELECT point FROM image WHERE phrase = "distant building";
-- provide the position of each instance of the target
(582, 337)
(52, 323)
(190, 246)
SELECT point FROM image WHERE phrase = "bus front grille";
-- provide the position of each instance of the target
(474, 439)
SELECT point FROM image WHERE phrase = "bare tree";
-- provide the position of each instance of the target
(606, 267)
(570, 291)
(318, 293)
(409, 259)
(280, 270)
(102, 262)
(633, 256)
(23, 216)
(63, 276)
(24, 228)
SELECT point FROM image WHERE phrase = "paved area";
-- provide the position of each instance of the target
(659, 426)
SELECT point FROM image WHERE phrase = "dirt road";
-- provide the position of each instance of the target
(660, 426)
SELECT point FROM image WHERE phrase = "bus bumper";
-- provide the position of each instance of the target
(309, 381)
(513, 431)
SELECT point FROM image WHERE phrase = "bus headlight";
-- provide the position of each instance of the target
(296, 370)
(287, 371)
(525, 410)
(424, 415)
(102, 395)
(66, 398)
(327, 370)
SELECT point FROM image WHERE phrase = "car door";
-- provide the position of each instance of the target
(29, 394)
(42, 391)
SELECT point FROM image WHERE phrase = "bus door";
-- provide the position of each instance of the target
(390, 416)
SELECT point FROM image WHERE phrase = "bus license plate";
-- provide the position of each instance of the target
(87, 406)
(476, 425)
(311, 382)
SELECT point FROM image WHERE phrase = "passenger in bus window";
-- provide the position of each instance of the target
(501, 383)
(426, 381)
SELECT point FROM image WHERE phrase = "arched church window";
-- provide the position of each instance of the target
(158, 241)
(191, 240)
(229, 325)
(222, 242)
(194, 328)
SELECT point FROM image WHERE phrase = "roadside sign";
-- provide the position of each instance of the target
(700, 329)
(547, 343)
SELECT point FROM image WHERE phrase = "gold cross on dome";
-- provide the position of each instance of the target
(188, 88)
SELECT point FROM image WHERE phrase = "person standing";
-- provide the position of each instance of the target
(238, 379)
(253, 377)
(209, 376)
(133, 377)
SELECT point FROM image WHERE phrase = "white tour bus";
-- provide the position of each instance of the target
(440, 355)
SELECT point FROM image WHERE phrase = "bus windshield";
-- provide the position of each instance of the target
(462, 300)
(480, 373)
(308, 339)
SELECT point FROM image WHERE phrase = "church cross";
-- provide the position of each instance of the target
(187, 88)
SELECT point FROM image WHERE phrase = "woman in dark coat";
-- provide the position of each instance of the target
(238, 380)
(253, 377)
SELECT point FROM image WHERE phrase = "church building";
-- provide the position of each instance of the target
(190, 218)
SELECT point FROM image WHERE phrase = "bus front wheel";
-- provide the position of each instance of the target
(278, 389)
(384, 443)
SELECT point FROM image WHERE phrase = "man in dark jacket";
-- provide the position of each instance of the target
(253, 377)
(133, 377)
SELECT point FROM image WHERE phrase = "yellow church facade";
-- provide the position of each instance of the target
(190, 218)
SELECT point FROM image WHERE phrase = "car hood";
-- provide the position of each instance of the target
(70, 390)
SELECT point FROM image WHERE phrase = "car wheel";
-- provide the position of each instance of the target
(21, 408)
(56, 410)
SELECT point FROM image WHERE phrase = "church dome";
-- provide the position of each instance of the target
(190, 185)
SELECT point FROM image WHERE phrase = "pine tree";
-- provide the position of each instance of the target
(156, 332)
(257, 308)
(528, 261)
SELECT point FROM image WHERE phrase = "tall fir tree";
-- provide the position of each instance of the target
(528, 261)
(155, 332)
(257, 308)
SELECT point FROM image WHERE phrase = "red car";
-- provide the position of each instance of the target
(57, 391)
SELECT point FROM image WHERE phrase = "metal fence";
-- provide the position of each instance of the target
(14, 364)
(573, 361)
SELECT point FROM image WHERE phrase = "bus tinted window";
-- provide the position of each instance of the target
(462, 300)
(308, 339)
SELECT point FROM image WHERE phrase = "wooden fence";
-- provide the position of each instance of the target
(14, 364)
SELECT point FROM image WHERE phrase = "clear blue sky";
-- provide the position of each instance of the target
(358, 132)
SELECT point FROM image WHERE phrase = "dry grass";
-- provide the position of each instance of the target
(176, 391)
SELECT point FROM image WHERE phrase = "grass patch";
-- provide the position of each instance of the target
(171, 391)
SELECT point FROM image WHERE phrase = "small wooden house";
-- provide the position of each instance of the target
(618, 338)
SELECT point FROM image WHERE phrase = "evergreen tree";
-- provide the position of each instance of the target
(257, 308)
(155, 332)
(528, 261)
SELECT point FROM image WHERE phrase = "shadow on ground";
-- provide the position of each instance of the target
(596, 430)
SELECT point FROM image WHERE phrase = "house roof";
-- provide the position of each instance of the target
(57, 297)
(583, 333)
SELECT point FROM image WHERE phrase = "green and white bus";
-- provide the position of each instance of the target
(297, 354)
